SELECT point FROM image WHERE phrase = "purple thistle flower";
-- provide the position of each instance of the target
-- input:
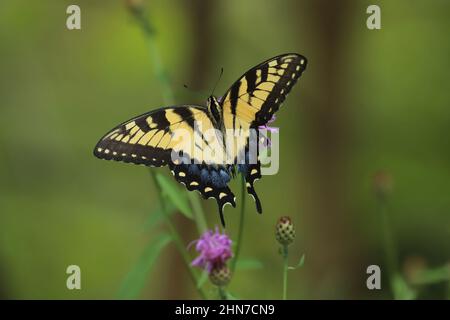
(214, 249)
(271, 129)
(264, 138)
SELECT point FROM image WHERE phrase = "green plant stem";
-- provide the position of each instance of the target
(176, 237)
(159, 71)
(285, 270)
(241, 226)
(222, 293)
(448, 290)
(197, 210)
(390, 249)
(161, 75)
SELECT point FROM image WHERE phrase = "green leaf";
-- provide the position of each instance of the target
(178, 198)
(401, 289)
(136, 278)
(299, 264)
(248, 264)
(432, 276)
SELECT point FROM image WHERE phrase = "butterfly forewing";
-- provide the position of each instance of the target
(258, 94)
(147, 139)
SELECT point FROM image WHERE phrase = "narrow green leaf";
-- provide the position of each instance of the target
(136, 278)
(248, 264)
(178, 198)
(299, 264)
(202, 279)
(401, 289)
(431, 276)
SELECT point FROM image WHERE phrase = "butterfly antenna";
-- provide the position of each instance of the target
(189, 88)
(217, 82)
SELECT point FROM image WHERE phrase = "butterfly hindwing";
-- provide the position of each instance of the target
(252, 172)
(210, 181)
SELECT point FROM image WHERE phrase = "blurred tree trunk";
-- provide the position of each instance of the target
(201, 14)
(4, 292)
(335, 267)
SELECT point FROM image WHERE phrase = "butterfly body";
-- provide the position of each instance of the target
(215, 110)
(205, 146)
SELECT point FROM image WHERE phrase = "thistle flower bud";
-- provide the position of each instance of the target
(285, 231)
(135, 5)
(383, 184)
(220, 275)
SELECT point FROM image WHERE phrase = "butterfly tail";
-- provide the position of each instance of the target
(252, 172)
(222, 219)
(252, 192)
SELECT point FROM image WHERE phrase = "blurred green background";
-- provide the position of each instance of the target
(369, 100)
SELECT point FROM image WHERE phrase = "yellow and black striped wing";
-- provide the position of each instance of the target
(257, 95)
(252, 101)
(150, 139)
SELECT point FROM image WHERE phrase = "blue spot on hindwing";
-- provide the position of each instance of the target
(209, 175)
(243, 168)
(204, 176)
(216, 180)
(225, 176)
(193, 170)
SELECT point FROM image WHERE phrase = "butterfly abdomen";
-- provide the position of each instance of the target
(214, 109)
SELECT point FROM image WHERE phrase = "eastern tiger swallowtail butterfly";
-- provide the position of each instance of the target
(150, 139)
